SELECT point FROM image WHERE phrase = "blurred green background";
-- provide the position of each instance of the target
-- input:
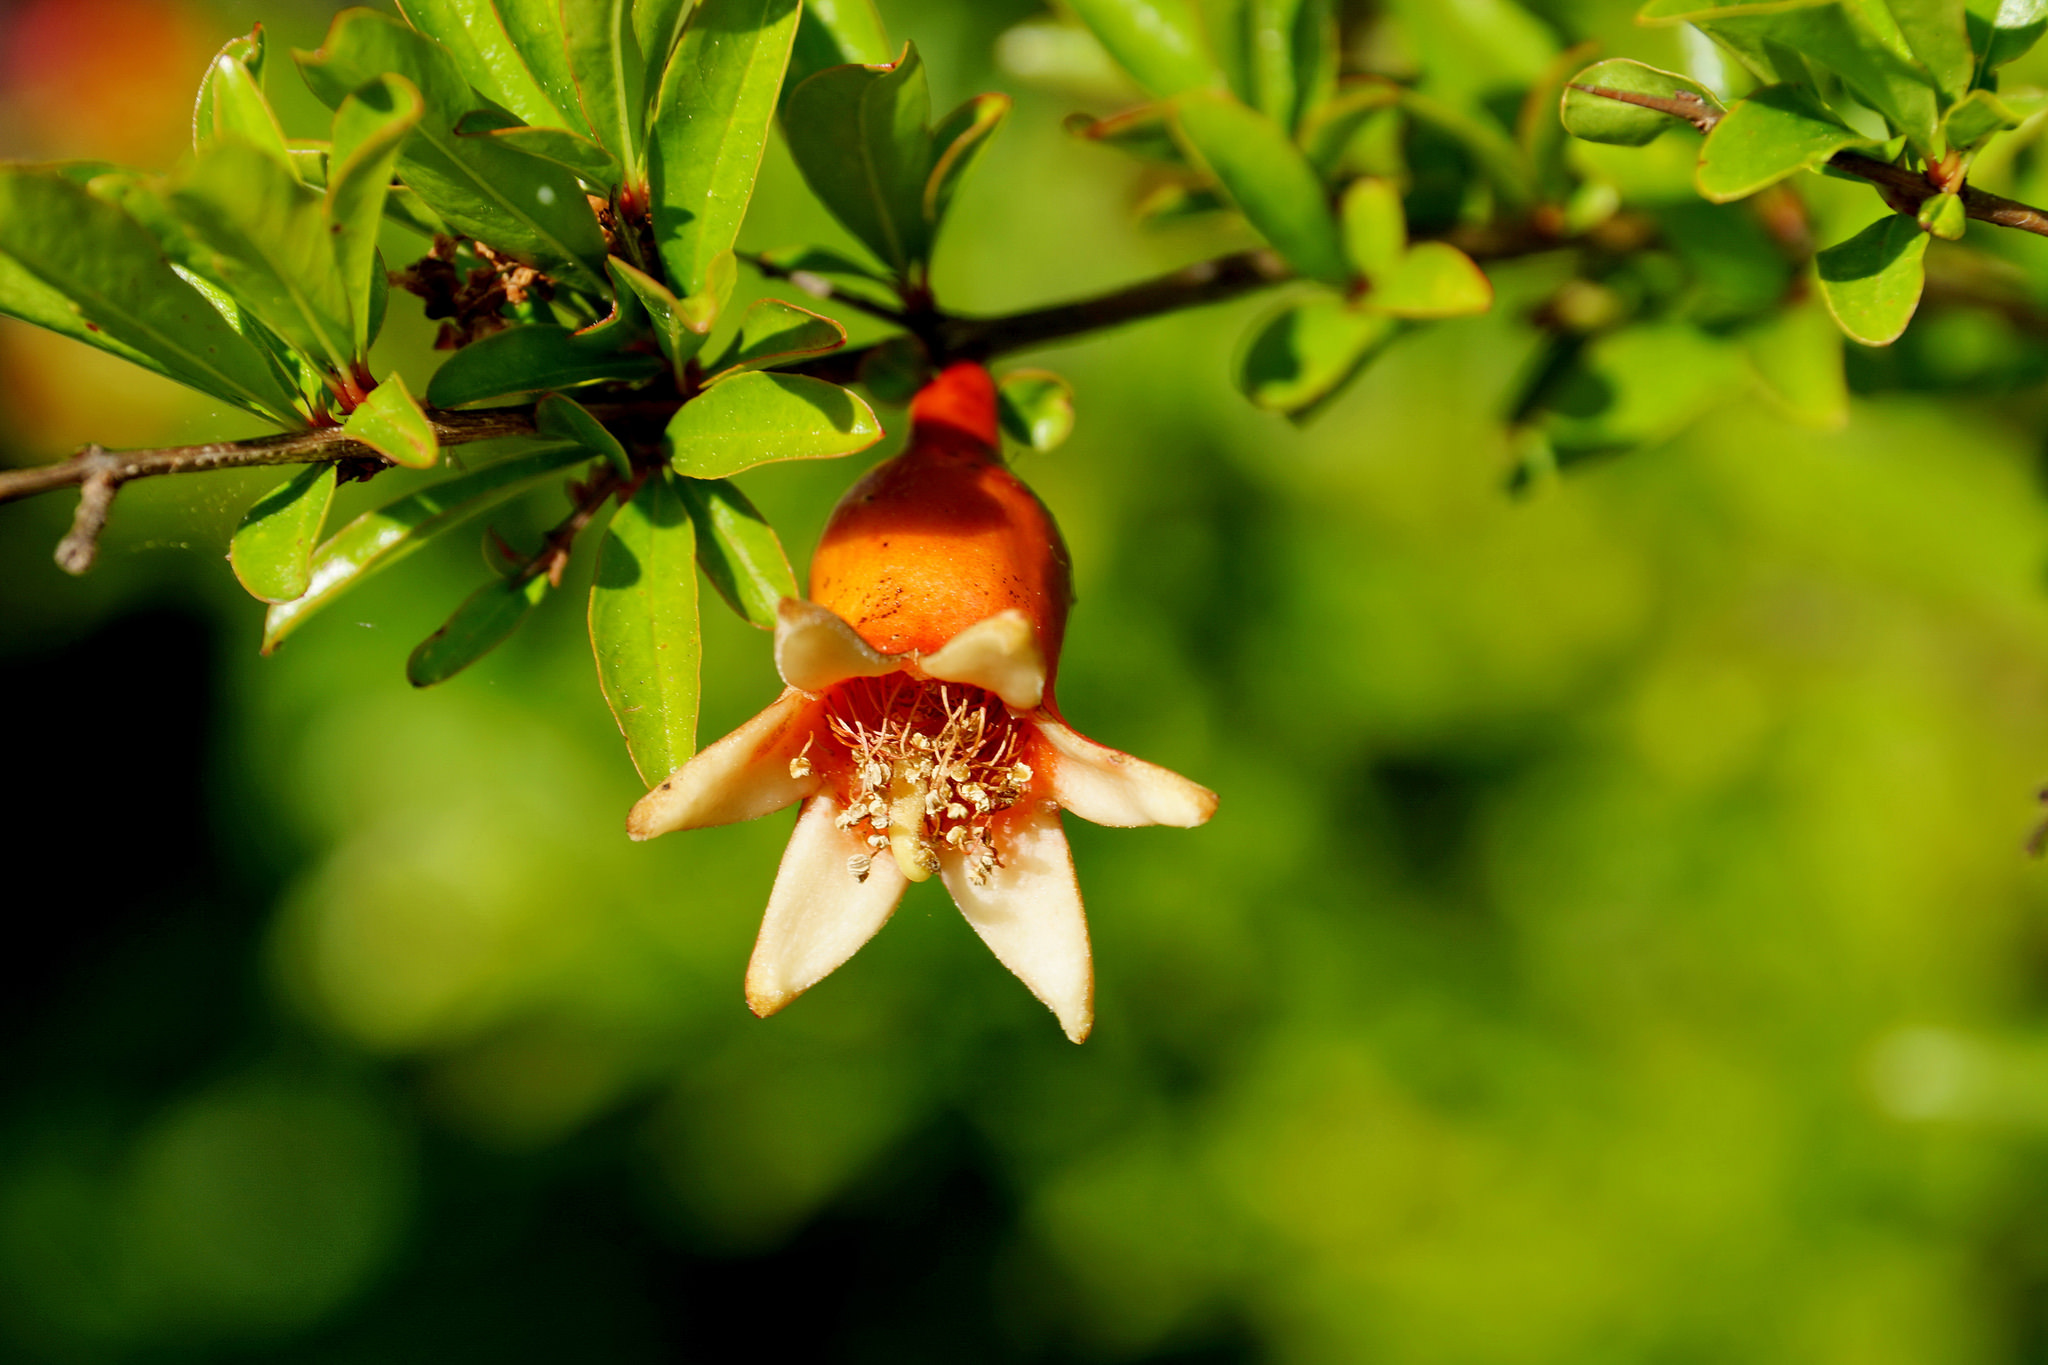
(1614, 945)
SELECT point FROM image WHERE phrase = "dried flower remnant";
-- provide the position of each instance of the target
(919, 729)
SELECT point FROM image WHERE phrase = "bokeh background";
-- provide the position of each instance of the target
(1615, 944)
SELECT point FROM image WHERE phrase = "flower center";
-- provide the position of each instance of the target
(929, 765)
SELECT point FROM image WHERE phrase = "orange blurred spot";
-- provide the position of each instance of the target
(105, 79)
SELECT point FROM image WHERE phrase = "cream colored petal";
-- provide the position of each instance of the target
(1109, 787)
(820, 912)
(1030, 915)
(814, 649)
(1000, 654)
(741, 777)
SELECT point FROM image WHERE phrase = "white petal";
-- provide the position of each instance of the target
(1109, 787)
(1030, 915)
(1000, 654)
(741, 777)
(815, 649)
(819, 912)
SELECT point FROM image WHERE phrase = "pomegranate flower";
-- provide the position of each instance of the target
(918, 727)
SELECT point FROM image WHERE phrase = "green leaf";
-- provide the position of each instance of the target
(1036, 408)
(1944, 216)
(270, 244)
(530, 359)
(83, 267)
(657, 24)
(643, 627)
(536, 29)
(562, 416)
(1270, 180)
(1432, 280)
(773, 332)
(1375, 226)
(1977, 117)
(1776, 131)
(760, 418)
(681, 326)
(376, 540)
(738, 550)
(2003, 30)
(1872, 281)
(1639, 386)
(1596, 118)
(711, 120)
(369, 130)
(1304, 353)
(485, 620)
(473, 32)
(835, 33)
(1937, 34)
(957, 143)
(272, 550)
(571, 151)
(232, 104)
(859, 136)
(1796, 356)
(1327, 131)
(610, 75)
(1293, 57)
(522, 206)
(1145, 132)
(1158, 41)
(391, 423)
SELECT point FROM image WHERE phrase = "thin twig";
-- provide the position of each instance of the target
(1904, 189)
(821, 288)
(589, 498)
(81, 545)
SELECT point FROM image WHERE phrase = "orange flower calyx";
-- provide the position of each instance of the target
(918, 726)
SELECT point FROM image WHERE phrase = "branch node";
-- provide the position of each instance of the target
(81, 545)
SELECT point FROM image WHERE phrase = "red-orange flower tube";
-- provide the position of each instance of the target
(918, 727)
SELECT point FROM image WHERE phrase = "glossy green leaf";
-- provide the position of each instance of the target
(681, 326)
(2003, 30)
(571, 151)
(232, 102)
(834, 33)
(738, 550)
(537, 30)
(272, 550)
(1158, 41)
(1775, 132)
(859, 136)
(1145, 132)
(1307, 351)
(1375, 226)
(1980, 115)
(1596, 118)
(1035, 408)
(1938, 36)
(711, 120)
(610, 74)
(247, 51)
(376, 540)
(1872, 281)
(562, 416)
(1292, 56)
(77, 255)
(269, 242)
(390, 422)
(1268, 178)
(1432, 280)
(370, 129)
(763, 417)
(522, 206)
(473, 32)
(485, 620)
(657, 24)
(956, 144)
(528, 360)
(1944, 216)
(773, 332)
(1796, 355)
(643, 627)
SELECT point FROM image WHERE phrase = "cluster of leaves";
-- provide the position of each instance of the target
(1910, 83)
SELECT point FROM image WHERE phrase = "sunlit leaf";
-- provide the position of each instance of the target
(738, 550)
(773, 332)
(610, 74)
(1307, 350)
(834, 33)
(681, 326)
(1375, 226)
(1872, 281)
(528, 360)
(859, 136)
(562, 416)
(1596, 118)
(231, 100)
(246, 51)
(571, 151)
(1270, 180)
(1035, 408)
(1292, 55)
(657, 24)
(763, 417)
(474, 34)
(2003, 30)
(956, 144)
(390, 422)
(1158, 41)
(711, 120)
(537, 30)
(643, 626)
(272, 550)
(1432, 280)
(85, 268)
(376, 540)
(370, 128)
(1938, 36)
(1775, 132)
